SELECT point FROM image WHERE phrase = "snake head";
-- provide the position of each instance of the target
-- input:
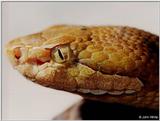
(42, 61)
(54, 63)
(110, 60)
(118, 63)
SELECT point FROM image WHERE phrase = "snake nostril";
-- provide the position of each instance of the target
(17, 52)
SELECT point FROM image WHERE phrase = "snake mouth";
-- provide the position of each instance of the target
(94, 82)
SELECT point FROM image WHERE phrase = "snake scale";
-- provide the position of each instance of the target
(117, 64)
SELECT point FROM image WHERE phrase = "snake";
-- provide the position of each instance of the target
(112, 64)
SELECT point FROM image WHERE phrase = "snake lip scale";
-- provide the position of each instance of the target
(117, 64)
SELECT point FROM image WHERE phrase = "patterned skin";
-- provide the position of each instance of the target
(106, 63)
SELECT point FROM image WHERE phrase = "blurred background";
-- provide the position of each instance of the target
(24, 100)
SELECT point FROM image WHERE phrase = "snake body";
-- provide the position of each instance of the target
(116, 64)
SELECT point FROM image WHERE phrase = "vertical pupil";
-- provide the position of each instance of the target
(60, 54)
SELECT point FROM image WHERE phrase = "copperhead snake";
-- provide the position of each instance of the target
(105, 63)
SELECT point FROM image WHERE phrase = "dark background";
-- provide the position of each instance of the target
(93, 110)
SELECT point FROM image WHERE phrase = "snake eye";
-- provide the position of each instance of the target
(61, 54)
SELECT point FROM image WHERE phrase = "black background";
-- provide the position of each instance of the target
(93, 110)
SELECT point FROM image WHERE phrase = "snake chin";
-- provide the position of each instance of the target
(102, 92)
